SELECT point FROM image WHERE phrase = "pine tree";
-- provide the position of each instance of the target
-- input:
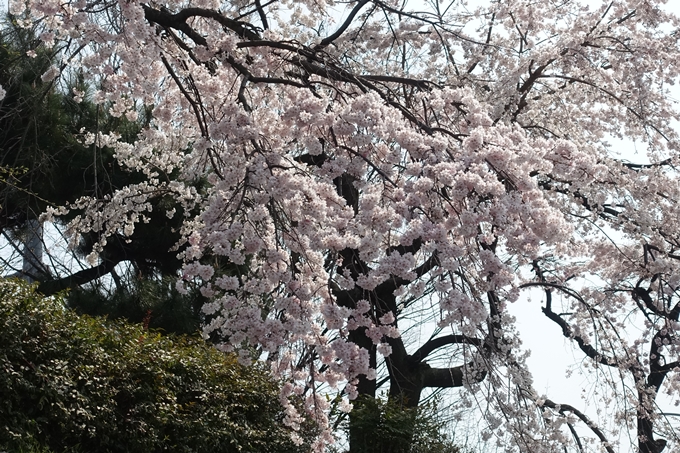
(44, 162)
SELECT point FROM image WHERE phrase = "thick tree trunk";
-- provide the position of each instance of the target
(31, 237)
(360, 428)
(645, 431)
(378, 427)
(32, 250)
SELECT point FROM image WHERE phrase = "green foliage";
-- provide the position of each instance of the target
(71, 383)
(390, 427)
(152, 301)
(43, 161)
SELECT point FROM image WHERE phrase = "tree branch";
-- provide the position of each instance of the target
(567, 331)
(165, 18)
(450, 377)
(584, 418)
(439, 342)
(51, 287)
(329, 39)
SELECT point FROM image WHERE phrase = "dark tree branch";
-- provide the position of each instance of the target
(428, 265)
(274, 45)
(165, 18)
(637, 167)
(657, 369)
(450, 377)
(643, 294)
(263, 16)
(169, 20)
(51, 287)
(439, 342)
(403, 249)
(309, 60)
(589, 350)
(567, 330)
(422, 84)
(329, 39)
(194, 104)
(584, 418)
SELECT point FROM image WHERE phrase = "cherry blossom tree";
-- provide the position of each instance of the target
(42, 164)
(370, 165)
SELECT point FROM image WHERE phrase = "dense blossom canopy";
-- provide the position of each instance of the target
(365, 162)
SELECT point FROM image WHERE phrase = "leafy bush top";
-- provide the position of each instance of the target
(87, 384)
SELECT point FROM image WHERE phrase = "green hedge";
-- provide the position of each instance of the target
(71, 383)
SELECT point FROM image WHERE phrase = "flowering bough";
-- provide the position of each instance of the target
(371, 161)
